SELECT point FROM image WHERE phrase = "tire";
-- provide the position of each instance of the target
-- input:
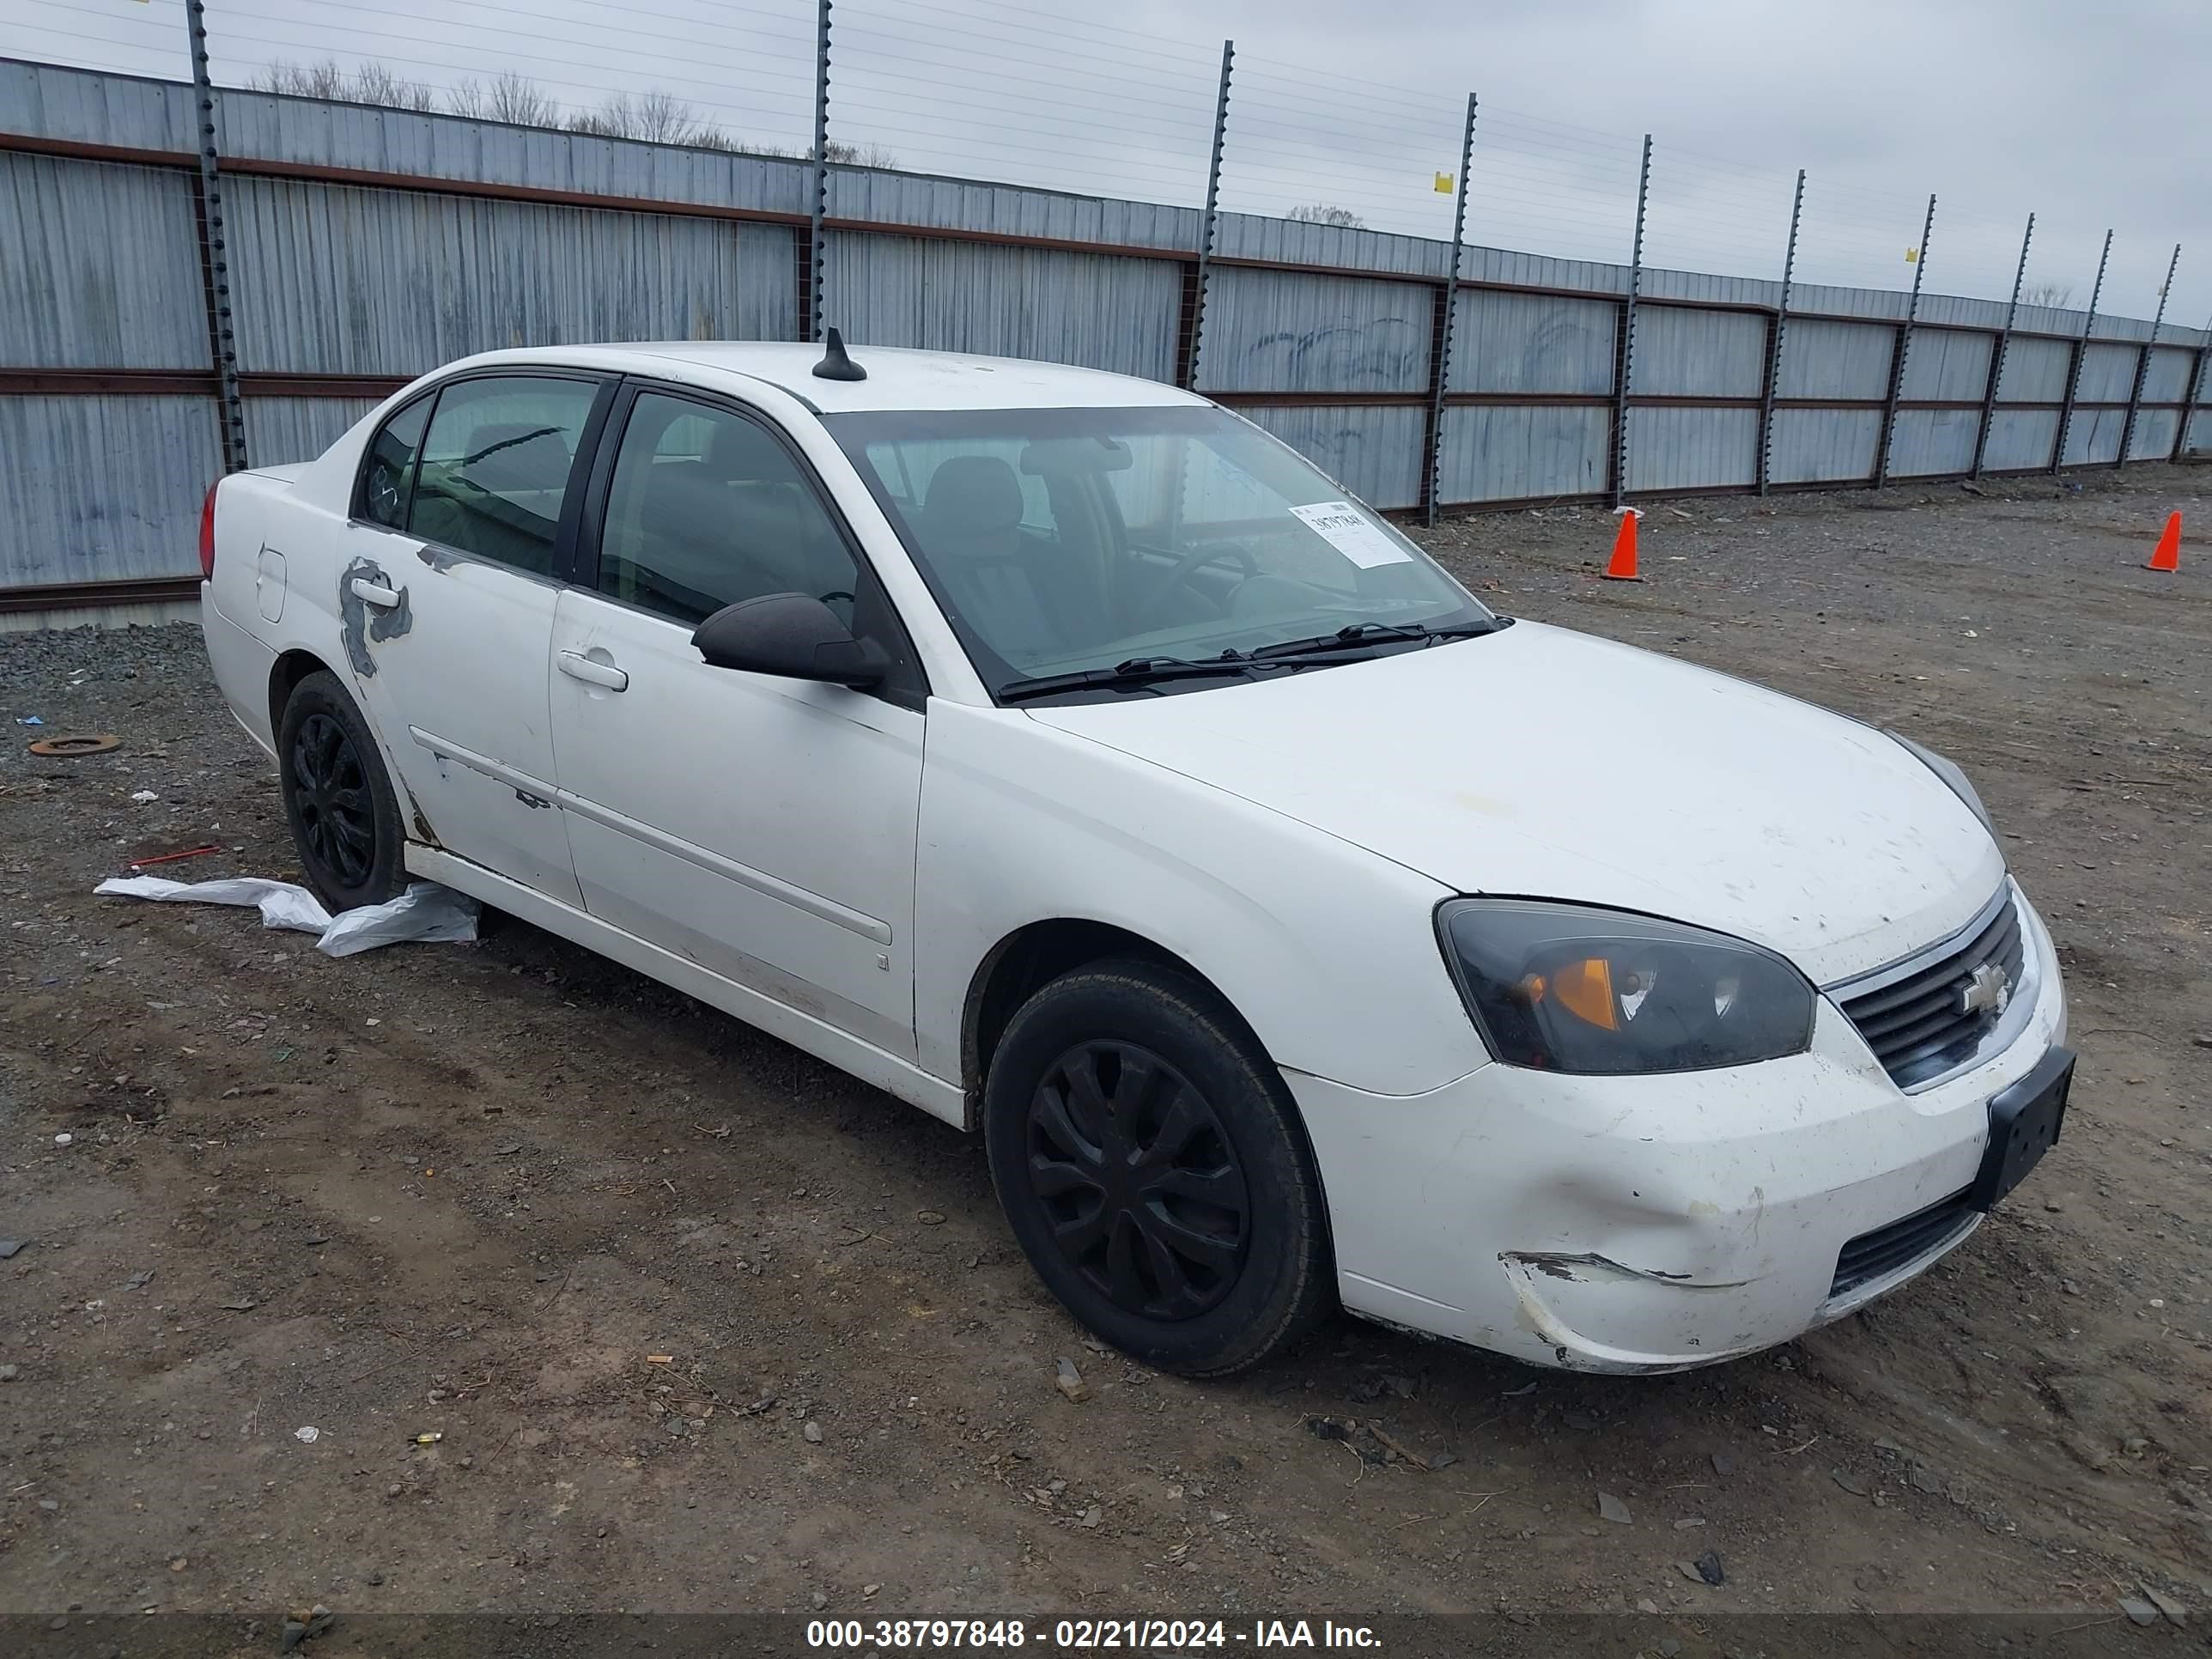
(1173, 1207)
(337, 798)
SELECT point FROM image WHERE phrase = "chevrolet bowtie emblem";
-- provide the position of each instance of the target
(1986, 990)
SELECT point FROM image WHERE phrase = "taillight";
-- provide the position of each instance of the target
(207, 533)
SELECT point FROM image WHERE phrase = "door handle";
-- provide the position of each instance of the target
(578, 666)
(375, 594)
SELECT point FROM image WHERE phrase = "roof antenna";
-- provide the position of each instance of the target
(834, 364)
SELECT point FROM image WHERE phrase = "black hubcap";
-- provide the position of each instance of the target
(1138, 1182)
(332, 792)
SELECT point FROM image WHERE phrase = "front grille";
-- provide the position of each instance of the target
(1871, 1255)
(1917, 1026)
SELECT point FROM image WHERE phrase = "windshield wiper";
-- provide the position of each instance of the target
(1359, 633)
(509, 443)
(1138, 670)
(1347, 644)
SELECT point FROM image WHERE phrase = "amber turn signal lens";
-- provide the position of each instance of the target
(1584, 988)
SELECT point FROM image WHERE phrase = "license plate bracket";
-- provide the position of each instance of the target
(2024, 1124)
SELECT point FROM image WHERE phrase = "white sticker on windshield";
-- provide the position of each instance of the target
(1345, 528)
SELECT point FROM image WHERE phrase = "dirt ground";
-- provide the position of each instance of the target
(471, 1190)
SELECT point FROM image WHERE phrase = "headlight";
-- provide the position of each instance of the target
(1951, 774)
(1600, 991)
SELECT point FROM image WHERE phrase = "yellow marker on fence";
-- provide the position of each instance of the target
(1445, 182)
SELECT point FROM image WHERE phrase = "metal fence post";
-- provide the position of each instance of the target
(2195, 394)
(2002, 349)
(810, 325)
(1903, 351)
(1206, 233)
(2080, 351)
(1625, 369)
(1441, 368)
(2142, 359)
(215, 265)
(1774, 354)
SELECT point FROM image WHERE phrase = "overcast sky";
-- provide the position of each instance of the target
(2092, 115)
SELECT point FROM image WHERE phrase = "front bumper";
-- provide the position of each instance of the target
(1651, 1224)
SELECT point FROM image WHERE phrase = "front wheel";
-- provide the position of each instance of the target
(343, 813)
(1154, 1172)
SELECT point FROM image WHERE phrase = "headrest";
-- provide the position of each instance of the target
(973, 501)
(685, 501)
(740, 451)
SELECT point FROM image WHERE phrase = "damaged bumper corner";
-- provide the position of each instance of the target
(1560, 1297)
(1648, 1224)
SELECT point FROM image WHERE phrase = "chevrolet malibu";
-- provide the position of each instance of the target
(1067, 756)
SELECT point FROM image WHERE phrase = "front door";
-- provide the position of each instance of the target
(447, 598)
(763, 827)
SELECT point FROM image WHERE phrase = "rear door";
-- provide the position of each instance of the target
(462, 532)
(763, 827)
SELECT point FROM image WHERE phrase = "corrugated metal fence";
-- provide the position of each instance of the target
(365, 245)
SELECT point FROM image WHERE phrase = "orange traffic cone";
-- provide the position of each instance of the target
(1621, 568)
(2168, 555)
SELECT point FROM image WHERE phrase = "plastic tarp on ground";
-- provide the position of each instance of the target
(426, 913)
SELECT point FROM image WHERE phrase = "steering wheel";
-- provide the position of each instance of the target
(1142, 609)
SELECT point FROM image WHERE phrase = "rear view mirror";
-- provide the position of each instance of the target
(792, 636)
(1045, 456)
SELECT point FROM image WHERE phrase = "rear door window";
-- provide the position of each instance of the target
(496, 464)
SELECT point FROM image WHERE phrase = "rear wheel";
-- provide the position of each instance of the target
(1153, 1167)
(344, 813)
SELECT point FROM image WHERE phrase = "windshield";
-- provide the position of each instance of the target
(1065, 540)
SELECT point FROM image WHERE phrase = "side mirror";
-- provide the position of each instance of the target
(792, 636)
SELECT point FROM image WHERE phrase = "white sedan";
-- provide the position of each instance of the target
(1065, 756)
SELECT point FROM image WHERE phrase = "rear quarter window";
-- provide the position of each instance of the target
(387, 473)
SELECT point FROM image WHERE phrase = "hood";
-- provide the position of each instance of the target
(1544, 763)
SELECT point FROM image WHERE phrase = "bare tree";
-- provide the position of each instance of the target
(373, 83)
(1322, 213)
(520, 102)
(859, 155)
(707, 136)
(611, 119)
(2057, 295)
(323, 80)
(370, 83)
(655, 117)
(663, 119)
